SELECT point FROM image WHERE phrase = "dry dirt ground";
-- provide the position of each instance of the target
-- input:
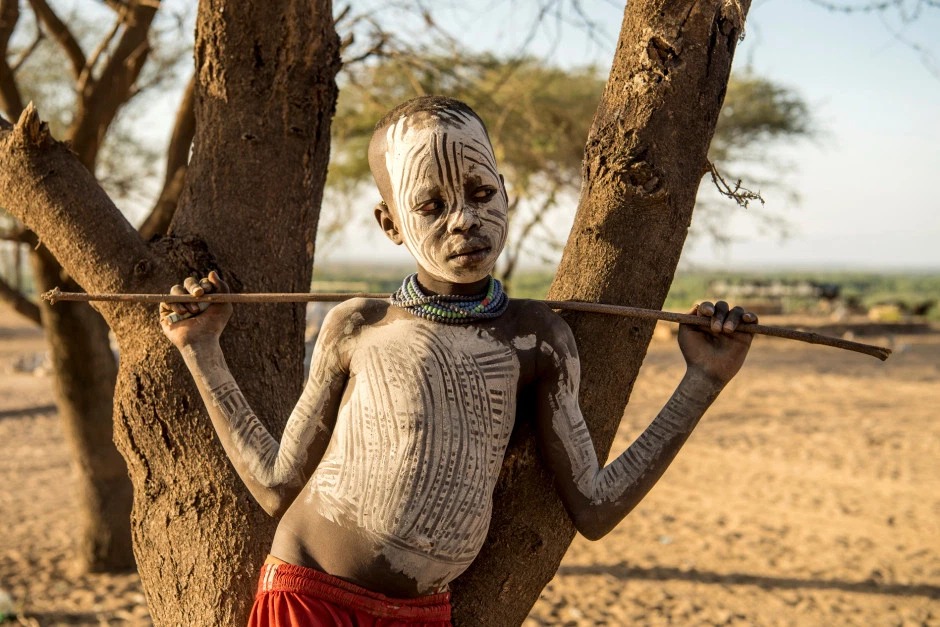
(809, 495)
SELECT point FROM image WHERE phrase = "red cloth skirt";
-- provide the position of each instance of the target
(294, 596)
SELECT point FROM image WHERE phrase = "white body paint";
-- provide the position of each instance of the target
(447, 160)
(524, 343)
(605, 485)
(418, 444)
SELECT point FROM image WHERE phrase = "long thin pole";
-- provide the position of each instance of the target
(56, 295)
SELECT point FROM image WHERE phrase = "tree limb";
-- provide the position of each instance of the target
(18, 301)
(61, 33)
(739, 194)
(44, 186)
(10, 99)
(93, 58)
(21, 236)
(28, 51)
(103, 97)
(177, 164)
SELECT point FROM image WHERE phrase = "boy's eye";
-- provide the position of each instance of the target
(430, 206)
(484, 193)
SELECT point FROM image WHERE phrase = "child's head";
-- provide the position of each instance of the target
(443, 195)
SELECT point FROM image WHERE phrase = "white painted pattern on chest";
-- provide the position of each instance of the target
(419, 444)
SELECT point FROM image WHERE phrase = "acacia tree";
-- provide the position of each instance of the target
(538, 118)
(264, 98)
(103, 79)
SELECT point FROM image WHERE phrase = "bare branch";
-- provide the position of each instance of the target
(21, 236)
(43, 185)
(10, 99)
(177, 163)
(103, 98)
(739, 194)
(343, 14)
(89, 69)
(868, 7)
(29, 50)
(61, 33)
(19, 302)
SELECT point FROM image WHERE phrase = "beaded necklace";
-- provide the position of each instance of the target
(448, 308)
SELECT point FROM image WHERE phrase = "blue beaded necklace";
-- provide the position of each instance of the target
(448, 308)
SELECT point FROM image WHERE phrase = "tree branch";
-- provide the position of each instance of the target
(103, 97)
(176, 165)
(44, 186)
(21, 236)
(61, 33)
(28, 51)
(739, 194)
(93, 58)
(18, 301)
(10, 99)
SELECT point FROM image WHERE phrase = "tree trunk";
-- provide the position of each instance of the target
(643, 162)
(264, 98)
(265, 95)
(85, 370)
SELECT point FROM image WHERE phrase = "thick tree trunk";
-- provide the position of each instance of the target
(643, 162)
(84, 366)
(264, 98)
(85, 370)
(265, 95)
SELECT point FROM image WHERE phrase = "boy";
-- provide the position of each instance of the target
(384, 475)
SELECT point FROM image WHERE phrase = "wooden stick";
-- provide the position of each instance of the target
(56, 295)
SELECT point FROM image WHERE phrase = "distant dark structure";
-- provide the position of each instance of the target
(773, 289)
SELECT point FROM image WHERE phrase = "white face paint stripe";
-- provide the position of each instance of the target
(435, 159)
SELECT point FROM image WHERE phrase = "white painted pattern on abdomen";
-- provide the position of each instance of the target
(419, 444)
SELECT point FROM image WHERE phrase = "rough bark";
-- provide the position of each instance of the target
(644, 158)
(265, 94)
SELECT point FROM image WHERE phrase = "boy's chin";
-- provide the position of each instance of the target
(463, 277)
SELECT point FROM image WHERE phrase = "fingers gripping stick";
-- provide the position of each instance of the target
(174, 317)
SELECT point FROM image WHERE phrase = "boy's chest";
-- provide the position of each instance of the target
(416, 368)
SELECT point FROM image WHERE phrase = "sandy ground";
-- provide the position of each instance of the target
(810, 495)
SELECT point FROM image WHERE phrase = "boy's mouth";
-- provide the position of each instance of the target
(470, 255)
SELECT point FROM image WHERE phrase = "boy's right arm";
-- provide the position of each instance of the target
(273, 471)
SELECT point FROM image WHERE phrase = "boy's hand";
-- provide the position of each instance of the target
(716, 351)
(189, 323)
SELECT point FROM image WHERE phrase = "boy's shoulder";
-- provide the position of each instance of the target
(349, 317)
(535, 317)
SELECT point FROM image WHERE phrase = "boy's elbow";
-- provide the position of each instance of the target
(589, 524)
(275, 505)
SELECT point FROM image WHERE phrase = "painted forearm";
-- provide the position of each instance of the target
(606, 495)
(627, 479)
(262, 463)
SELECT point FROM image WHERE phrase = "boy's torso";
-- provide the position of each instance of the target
(401, 500)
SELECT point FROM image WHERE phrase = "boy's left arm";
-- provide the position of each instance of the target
(598, 498)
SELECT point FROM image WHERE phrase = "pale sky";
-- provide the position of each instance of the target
(868, 184)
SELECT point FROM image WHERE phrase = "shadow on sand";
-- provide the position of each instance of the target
(660, 573)
(38, 410)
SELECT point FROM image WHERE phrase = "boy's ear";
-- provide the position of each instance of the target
(387, 221)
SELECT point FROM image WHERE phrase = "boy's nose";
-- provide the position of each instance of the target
(463, 217)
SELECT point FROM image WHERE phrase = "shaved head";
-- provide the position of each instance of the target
(444, 198)
(442, 108)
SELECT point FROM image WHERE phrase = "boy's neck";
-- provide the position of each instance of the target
(432, 285)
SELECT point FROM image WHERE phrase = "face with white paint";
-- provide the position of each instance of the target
(447, 200)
